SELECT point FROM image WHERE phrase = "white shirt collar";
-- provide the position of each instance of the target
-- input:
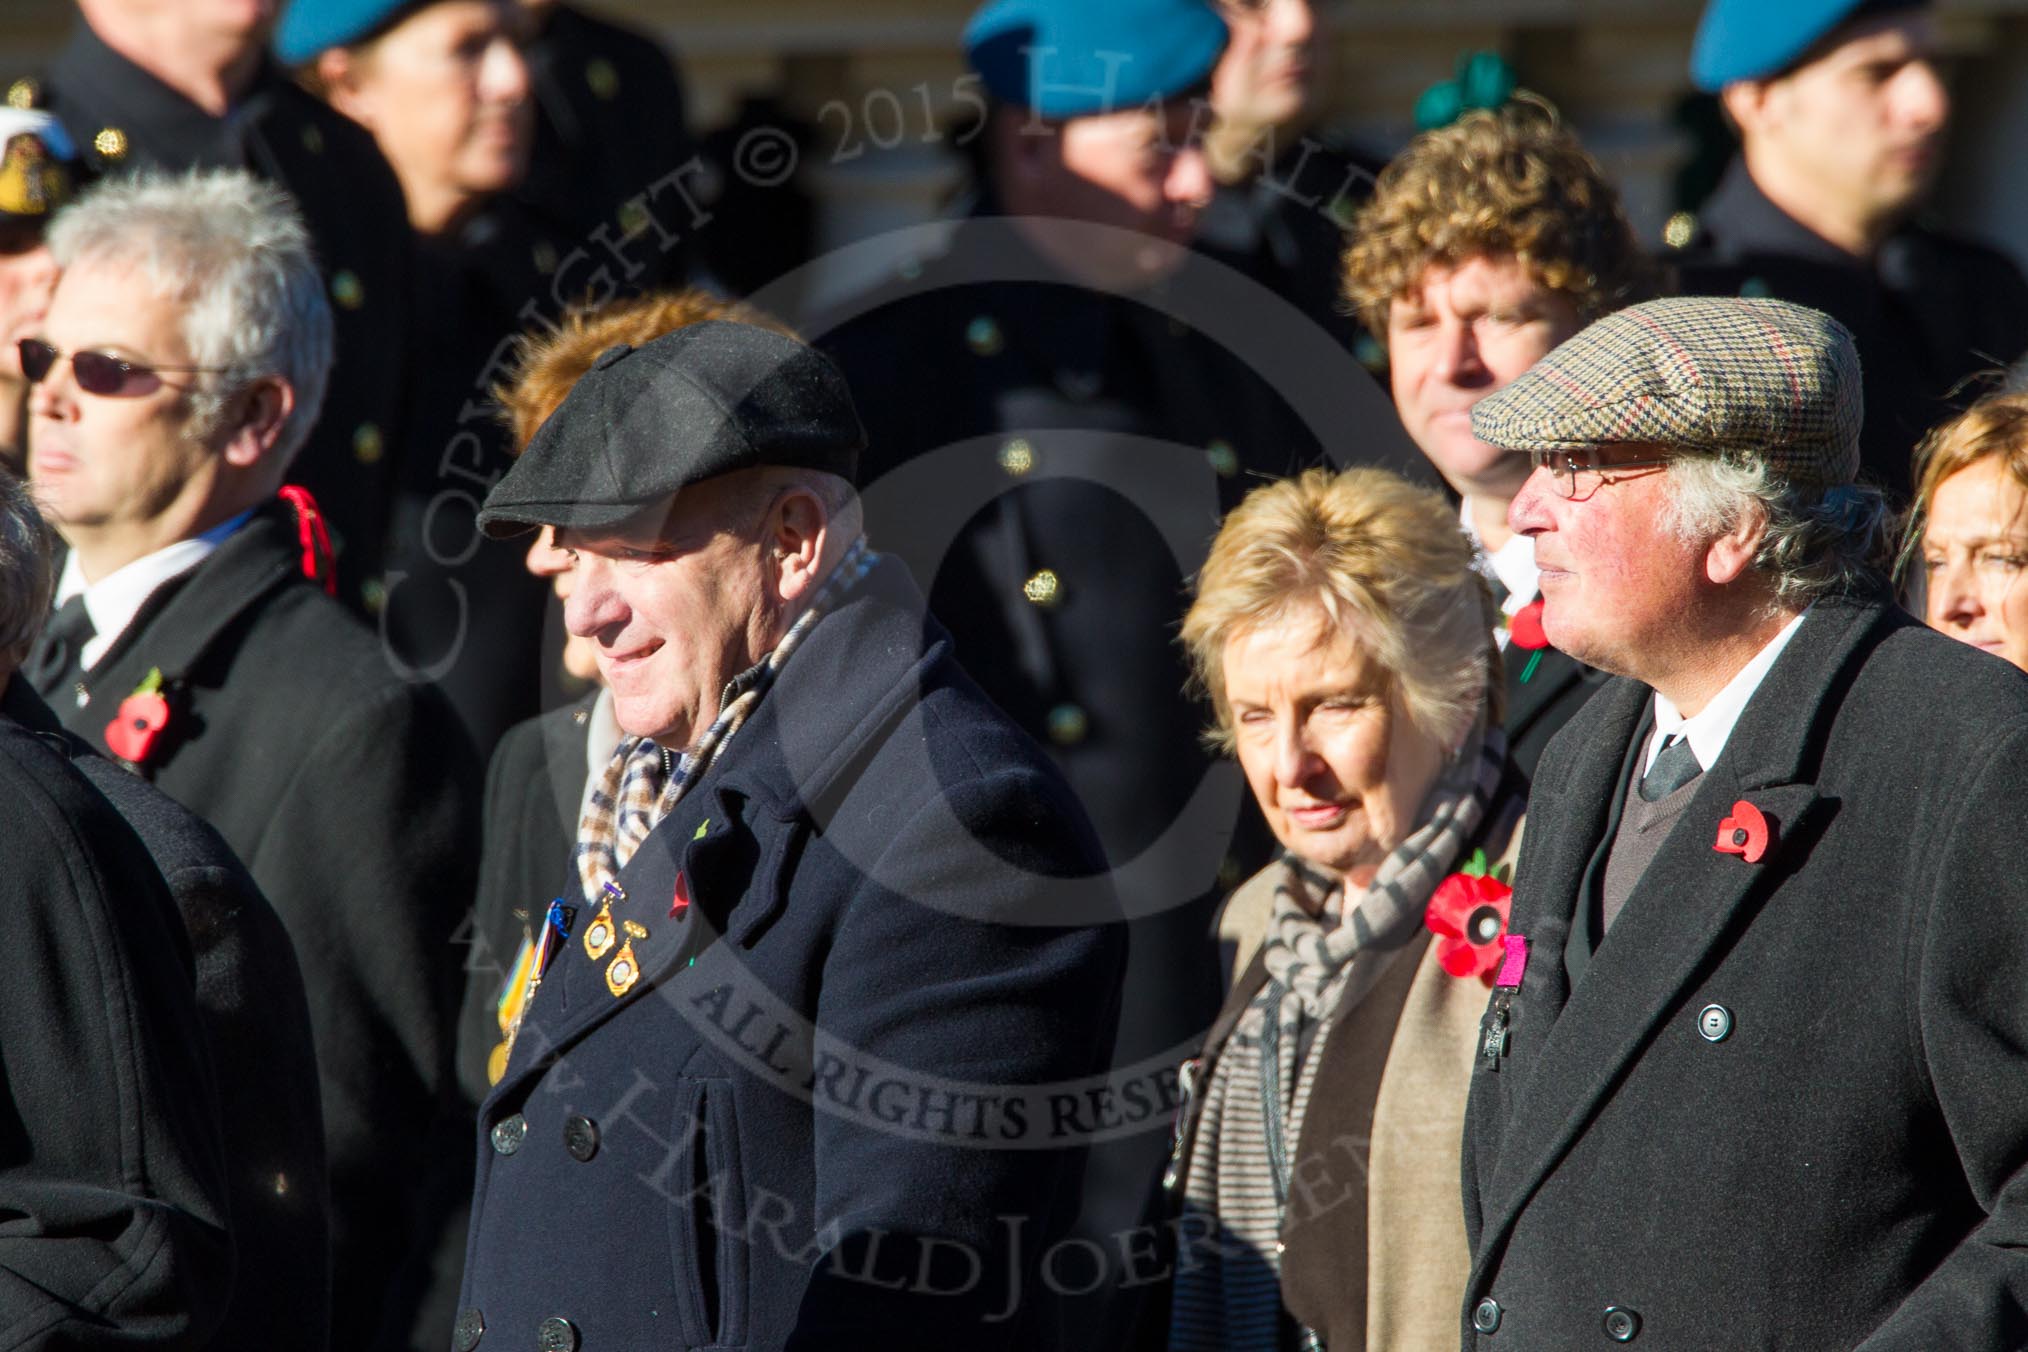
(114, 600)
(1708, 730)
(1512, 565)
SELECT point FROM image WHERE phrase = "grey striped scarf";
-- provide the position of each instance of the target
(640, 786)
(1322, 951)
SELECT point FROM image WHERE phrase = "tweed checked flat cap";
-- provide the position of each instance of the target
(1699, 374)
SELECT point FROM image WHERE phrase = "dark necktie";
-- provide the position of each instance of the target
(1675, 767)
(58, 657)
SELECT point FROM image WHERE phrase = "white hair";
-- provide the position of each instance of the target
(27, 581)
(1818, 541)
(232, 252)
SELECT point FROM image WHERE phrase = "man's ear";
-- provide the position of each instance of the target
(255, 417)
(1747, 103)
(1025, 148)
(797, 530)
(338, 72)
(1727, 558)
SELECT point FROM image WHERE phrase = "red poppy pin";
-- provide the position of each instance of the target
(1745, 833)
(1468, 912)
(1524, 631)
(141, 719)
(681, 901)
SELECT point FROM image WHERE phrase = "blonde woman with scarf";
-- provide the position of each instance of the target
(1342, 634)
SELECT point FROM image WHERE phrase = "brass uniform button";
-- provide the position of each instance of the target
(544, 256)
(313, 139)
(1680, 230)
(347, 289)
(1044, 589)
(603, 79)
(23, 93)
(633, 216)
(1017, 457)
(1069, 724)
(111, 142)
(1223, 458)
(983, 336)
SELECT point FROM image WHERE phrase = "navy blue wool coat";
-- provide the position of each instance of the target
(805, 1124)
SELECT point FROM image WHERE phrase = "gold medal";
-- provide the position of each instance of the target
(624, 970)
(599, 935)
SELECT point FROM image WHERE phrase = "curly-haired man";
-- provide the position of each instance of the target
(1488, 242)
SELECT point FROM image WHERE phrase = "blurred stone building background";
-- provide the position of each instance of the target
(876, 85)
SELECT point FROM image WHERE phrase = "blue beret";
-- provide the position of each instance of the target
(1074, 58)
(1756, 40)
(310, 28)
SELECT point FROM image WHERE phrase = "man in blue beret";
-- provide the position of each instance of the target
(1841, 118)
(1061, 404)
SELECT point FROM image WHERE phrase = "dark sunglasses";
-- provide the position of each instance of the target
(100, 373)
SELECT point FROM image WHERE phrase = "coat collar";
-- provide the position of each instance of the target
(1585, 1039)
(732, 839)
(178, 625)
(1745, 221)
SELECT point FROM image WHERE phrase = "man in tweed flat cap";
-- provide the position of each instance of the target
(1752, 1075)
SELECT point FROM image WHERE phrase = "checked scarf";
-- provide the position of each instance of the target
(1323, 950)
(642, 782)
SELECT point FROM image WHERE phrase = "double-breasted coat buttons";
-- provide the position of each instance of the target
(580, 1137)
(1714, 1023)
(470, 1328)
(556, 1334)
(1621, 1324)
(1486, 1316)
(509, 1133)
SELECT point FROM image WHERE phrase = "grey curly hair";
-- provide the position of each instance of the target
(1819, 541)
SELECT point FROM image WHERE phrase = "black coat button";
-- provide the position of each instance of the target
(556, 1334)
(1714, 1023)
(1486, 1316)
(1621, 1324)
(509, 1133)
(471, 1327)
(580, 1138)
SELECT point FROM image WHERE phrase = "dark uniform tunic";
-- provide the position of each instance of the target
(1926, 311)
(352, 800)
(1053, 463)
(610, 127)
(122, 117)
(1286, 226)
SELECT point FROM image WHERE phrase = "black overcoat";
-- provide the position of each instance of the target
(756, 1150)
(257, 1031)
(352, 799)
(112, 1182)
(1786, 1105)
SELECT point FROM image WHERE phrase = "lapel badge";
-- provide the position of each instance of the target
(625, 969)
(1745, 833)
(1515, 965)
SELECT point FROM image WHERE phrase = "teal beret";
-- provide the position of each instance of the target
(310, 28)
(1757, 40)
(1075, 58)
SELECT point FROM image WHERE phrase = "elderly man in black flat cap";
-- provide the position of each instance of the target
(832, 934)
(1752, 1072)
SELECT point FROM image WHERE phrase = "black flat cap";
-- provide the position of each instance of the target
(705, 400)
